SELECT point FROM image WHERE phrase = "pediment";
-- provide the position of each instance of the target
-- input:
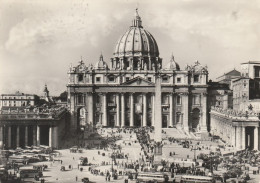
(138, 81)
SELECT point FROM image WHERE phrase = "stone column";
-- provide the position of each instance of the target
(34, 135)
(26, 136)
(153, 110)
(122, 109)
(9, 137)
(90, 108)
(1, 137)
(233, 136)
(18, 136)
(55, 137)
(185, 105)
(104, 109)
(144, 110)
(243, 140)
(50, 136)
(117, 110)
(132, 109)
(204, 113)
(238, 137)
(256, 138)
(38, 142)
(171, 111)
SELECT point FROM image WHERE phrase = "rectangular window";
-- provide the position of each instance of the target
(178, 80)
(178, 117)
(196, 99)
(149, 79)
(196, 78)
(127, 78)
(80, 77)
(111, 79)
(178, 100)
(97, 79)
(165, 79)
(98, 99)
(257, 70)
(165, 99)
(80, 99)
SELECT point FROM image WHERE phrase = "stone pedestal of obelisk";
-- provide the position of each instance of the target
(158, 121)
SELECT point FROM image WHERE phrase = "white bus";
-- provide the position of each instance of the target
(196, 179)
(26, 173)
(152, 177)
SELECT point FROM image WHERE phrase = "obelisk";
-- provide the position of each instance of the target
(158, 110)
(158, 121)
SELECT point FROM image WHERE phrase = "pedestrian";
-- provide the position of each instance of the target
(76, 178)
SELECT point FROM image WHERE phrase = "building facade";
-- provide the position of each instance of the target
(18, 99)
(123, 95)
(34, 126)
(238, 124)
(227, 77)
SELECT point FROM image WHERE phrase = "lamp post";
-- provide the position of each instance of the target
(196, 148)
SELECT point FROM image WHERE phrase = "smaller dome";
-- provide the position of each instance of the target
(101, 64)
(172, 65)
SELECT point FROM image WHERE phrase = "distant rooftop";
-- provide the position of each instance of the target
(251, 62)
(18, 93)
(233, 72)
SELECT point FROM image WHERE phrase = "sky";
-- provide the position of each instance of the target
(39, 39)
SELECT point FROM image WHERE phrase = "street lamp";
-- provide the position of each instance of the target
(195, 154)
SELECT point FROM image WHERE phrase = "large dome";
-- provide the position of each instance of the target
(136, 41)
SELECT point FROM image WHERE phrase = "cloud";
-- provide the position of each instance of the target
(41, 38)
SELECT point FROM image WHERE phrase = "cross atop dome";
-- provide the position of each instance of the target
(101, 57)
(137, 22)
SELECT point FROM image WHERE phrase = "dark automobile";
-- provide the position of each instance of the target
(85, 180)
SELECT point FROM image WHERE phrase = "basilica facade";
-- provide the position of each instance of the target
(120, 93)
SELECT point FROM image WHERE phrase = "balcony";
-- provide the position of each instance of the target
(165, 105)
(111, 104)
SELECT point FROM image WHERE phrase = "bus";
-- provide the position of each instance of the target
(152, 177)
(26, 173)
(196, 179)
(3, 174)
(83, 161)
(18, 160)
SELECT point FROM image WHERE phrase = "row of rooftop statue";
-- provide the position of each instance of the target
(141, 65)
(237, 113)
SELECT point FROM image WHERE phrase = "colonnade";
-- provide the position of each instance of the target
(233, 134)
(11, 135)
